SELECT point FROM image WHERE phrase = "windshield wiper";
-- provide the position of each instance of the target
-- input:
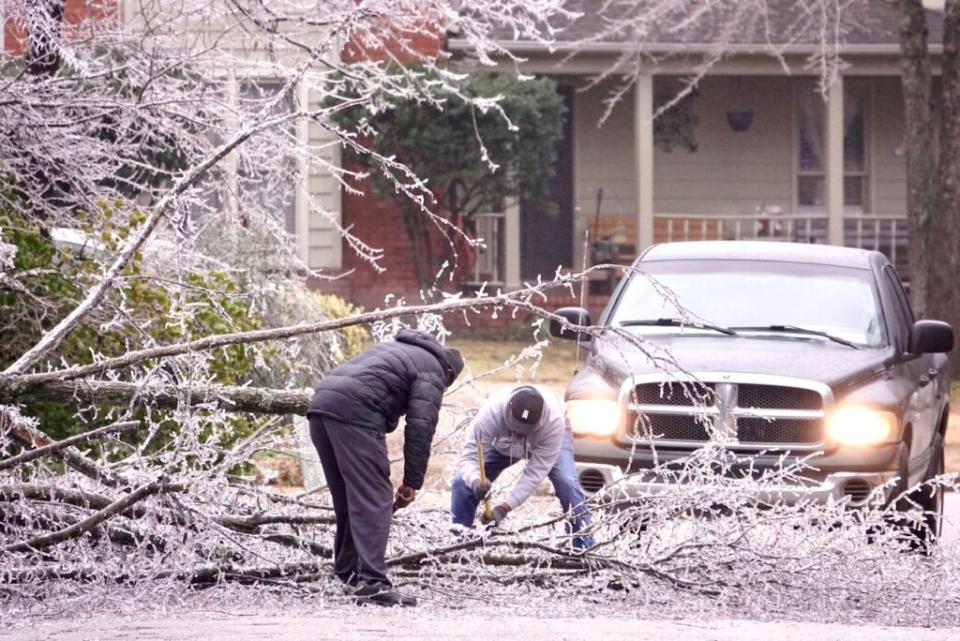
(793, 329)
(676, 322)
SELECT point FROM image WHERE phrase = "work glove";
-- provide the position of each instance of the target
(496, 516)
(481, 490)
(404, 497)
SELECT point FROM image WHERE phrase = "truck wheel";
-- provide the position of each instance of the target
(925, 534)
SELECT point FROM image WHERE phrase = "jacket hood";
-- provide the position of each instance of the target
(449, 358)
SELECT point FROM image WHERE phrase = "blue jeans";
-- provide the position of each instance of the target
(563, 476)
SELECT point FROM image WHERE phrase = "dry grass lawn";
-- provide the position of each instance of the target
(554, 370)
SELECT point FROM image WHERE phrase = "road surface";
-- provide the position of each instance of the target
(411, 625)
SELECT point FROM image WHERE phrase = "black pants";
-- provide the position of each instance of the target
(355, 463)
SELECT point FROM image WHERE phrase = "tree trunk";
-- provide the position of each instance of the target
(944, 243)
(920, 137)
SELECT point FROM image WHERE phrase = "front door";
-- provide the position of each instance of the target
(546, 233)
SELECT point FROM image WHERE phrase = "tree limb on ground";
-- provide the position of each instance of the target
(53, 494)
(252, 523)
(87, 524)
(120, 535)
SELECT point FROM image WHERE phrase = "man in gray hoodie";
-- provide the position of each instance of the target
(525, 423)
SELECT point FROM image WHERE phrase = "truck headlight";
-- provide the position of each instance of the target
(861, 426)
(593, 417)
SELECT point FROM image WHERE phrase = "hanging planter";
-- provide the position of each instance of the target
(740, 121)
(740, 117)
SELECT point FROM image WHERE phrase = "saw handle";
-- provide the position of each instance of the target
(487, 510)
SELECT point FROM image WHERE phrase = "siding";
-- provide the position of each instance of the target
(889, 164)
(324, 245)
(731, 172)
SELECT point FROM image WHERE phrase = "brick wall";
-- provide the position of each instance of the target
(378, 223)
(79, 17)
(428, 41)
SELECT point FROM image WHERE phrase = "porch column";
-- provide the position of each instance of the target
(834, 179)
(643, 153)
(511, 261)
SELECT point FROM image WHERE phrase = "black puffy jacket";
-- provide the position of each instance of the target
(373, 390)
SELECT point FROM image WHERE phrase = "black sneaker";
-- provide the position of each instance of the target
(349, 584)
(382, 594)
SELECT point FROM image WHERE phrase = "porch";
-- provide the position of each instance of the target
(744, 157)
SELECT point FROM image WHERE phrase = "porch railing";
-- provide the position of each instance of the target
(887, 234)
(800, 228)
(883, 233)
(490, 264)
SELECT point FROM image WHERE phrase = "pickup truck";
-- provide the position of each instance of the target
(772, 350)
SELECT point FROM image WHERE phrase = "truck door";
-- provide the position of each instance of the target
(923, 401)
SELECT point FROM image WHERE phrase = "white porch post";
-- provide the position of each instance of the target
(512, 259)
(643, 142)
(834, 186)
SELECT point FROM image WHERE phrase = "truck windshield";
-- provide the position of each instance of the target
(754, 298)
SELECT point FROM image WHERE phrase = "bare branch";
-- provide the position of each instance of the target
(30, 455)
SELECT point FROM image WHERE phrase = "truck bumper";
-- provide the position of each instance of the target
(610, 483)
(849, 474)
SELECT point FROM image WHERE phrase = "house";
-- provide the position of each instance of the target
(755, 151)
(768, 158)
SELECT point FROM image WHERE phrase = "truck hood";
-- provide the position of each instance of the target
(819, 360)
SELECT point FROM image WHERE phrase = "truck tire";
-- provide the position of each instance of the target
(925, 534)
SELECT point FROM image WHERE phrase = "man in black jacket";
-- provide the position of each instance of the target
(354, 407)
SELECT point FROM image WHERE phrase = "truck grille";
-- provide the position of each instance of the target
(672, 393)
(674, 427)
(775, 397)
(779, 430)
(755, 415)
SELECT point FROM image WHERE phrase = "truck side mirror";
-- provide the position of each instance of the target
(931, 337)
(575, 315)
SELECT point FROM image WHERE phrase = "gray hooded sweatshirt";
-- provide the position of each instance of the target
(540, 448)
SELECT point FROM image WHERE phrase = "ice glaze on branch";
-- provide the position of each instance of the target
(24, 432)
(114, 393)
(520, 299)
(54, 336)
(78, 529)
